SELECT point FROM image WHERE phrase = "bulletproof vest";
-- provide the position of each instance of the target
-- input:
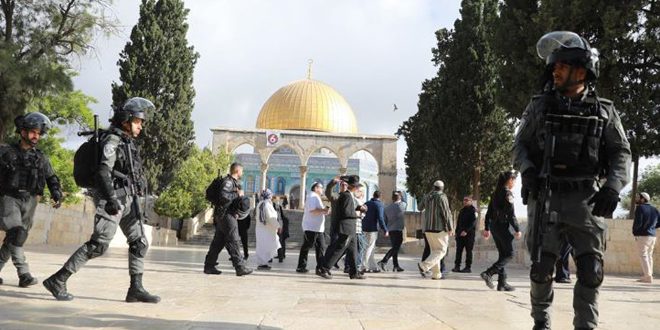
(123, 166)
(576, 129)
(22, 171)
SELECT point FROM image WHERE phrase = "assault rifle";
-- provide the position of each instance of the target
(542, 207)
(133, 184)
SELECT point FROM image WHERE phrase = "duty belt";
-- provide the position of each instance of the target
(18, 194)
(571, 185)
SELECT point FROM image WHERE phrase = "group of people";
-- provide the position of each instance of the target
(570, 150)
(118, 180)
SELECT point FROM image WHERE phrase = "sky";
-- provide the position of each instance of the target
(375, 53)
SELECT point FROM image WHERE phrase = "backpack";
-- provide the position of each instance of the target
(213, 191)
(85, 163)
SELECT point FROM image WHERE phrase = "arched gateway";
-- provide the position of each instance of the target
(303, 117)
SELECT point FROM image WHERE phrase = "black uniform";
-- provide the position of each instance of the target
(499, 217)
(23, 176)
(467, 222)
(225, 219)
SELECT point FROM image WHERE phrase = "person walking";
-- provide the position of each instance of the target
(466, 227)
(24, 172)
(119, 167)
(644, 227)
(373, 220)
(395, 219)
(313, 224)
(266, 230)
(570, 144)
(499, 217)
(437, 228)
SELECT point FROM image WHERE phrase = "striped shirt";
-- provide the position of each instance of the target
(437, 215)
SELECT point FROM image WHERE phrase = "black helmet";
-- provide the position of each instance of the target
(135, 107)
(33, 120)
(570, 48)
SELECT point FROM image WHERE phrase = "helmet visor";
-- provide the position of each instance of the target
(552, 41)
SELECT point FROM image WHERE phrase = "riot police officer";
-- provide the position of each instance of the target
(225, 218)
(571, 143)
(24, 170)
(114, 203)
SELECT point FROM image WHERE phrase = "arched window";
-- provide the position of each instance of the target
(249, 186)
(281, 183)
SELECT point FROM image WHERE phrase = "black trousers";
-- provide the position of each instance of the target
(281, 252)
(504, 243)
(243, 226)
(427, 252)
(464, 243)
(396, 239)
(561, 266)
(317, 240)
(344, 243)
(226, 236)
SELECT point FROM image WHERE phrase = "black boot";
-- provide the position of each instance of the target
(210, 269)
(502, 285)
(0, 280)
(136, 293)
(242, 271)
(56, 284)
(25, 280)
(541, 325)
(487, 276)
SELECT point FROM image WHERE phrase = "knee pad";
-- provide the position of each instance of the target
(541, 271)
(95, 249)
(138, 248)
(16, 236)
(590, 270)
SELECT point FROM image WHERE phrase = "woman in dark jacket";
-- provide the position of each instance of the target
(499, 217)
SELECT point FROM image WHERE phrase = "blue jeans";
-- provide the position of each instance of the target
(361, 243)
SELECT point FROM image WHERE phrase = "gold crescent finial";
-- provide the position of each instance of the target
(309, 68)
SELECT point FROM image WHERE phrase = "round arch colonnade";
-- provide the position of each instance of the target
(305, 143)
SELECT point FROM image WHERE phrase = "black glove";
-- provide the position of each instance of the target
(56, 195)
(530, 184)
(112, 207)
(605, 202)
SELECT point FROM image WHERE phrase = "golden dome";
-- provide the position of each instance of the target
(308, 105)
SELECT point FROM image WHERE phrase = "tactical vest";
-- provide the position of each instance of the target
(21, 172)
(502, 208)
(576, 129)
(122, 165)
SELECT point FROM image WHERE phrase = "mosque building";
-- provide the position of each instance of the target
(306, 132)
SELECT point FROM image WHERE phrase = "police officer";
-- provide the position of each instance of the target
(225, 219)
(24, 170)
(499, 217)
(573, 141)
(113, 200)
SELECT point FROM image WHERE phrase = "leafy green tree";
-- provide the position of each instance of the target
(185, 196)
(158, 64)
(649, 183)
(37, 41)
(459, 135)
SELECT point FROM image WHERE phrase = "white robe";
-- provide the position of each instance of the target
(267, 239)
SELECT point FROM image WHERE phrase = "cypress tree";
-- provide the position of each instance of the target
(157, 63)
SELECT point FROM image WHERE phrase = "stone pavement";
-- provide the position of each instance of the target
(283, 299)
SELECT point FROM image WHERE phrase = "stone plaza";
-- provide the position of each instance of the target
(283, 299)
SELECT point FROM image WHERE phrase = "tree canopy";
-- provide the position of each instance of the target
(158, 64)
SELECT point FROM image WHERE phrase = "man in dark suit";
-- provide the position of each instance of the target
(346, 217)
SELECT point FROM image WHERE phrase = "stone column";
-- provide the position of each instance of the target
(343, 170)
(264, 175)
(303, 186)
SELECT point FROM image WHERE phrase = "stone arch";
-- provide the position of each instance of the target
(308, 152)
(268, 152)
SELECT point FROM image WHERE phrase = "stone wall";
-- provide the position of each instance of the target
(74, 224)
(620, 257)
